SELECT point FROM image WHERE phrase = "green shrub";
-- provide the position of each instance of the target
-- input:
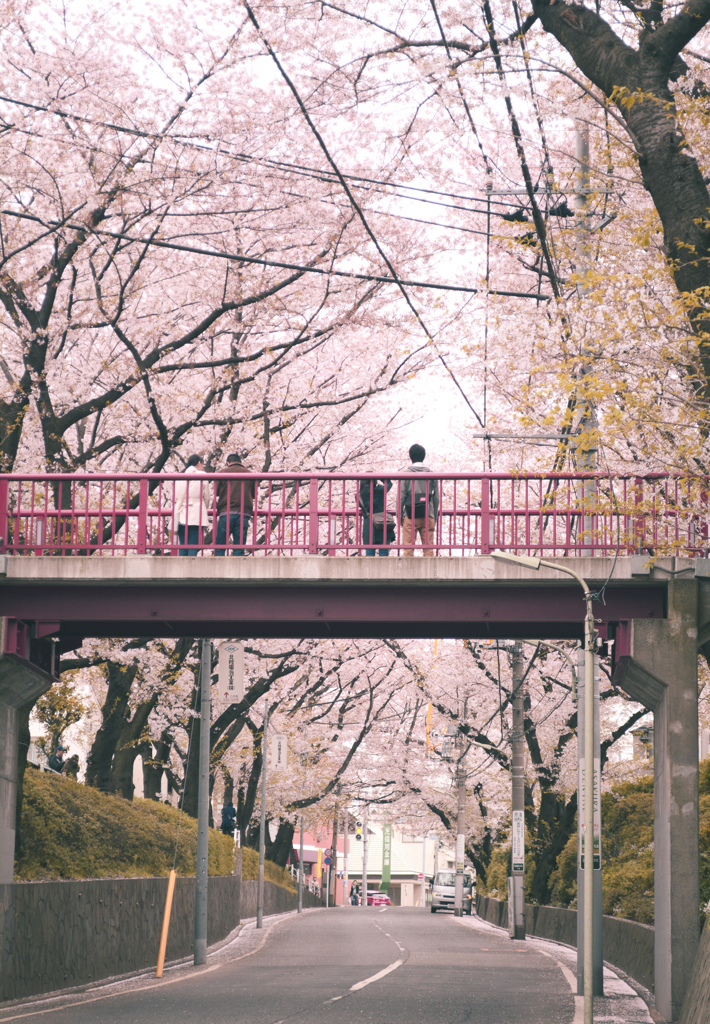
(563, 880)
(272, 872)
(74, 831)
(499, 867)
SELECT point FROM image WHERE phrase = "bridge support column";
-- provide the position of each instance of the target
(660, 671)
(19, 684)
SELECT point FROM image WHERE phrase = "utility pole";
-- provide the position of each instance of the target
(334, 858)
(300, 872)
(364, 858)
(516, 883)
(588, 423)
(460, 828)
(203, 806)
(424, 871)
(346, 841)
(262, 823)
(592, 829)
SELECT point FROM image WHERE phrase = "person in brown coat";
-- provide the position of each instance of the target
(235, 505)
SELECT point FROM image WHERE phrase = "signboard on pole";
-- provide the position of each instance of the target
(279, 752)
(597, 816)
(518, 842)
(386, 857)
(230, 671)
(459, 853)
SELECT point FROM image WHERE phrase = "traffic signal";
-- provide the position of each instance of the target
(358, 830)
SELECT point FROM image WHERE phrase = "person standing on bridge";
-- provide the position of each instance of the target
(418, 505)
(191, 507)
(375, 518)
(235, 505)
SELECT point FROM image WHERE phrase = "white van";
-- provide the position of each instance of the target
(442, 895)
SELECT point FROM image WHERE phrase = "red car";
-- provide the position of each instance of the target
(375, 898)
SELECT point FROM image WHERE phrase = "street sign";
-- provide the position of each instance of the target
(230, 671)
(329, 852)
(518, 842)
(279, 752)
(328, 860)
(459, 853)
(421, 876)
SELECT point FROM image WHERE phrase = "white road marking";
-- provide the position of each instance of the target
(333, 1000)
(569, 977)
(383, 910)
(376, 977)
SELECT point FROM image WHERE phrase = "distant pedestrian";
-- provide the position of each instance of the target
(419, 506)
(191, 507)
(71, 767)
(56, 761)
(229, 819)
(377, 522)
(235, 505)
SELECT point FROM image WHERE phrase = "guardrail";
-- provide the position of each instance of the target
(332, 513)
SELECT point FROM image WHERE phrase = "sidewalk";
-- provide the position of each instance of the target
(620, 1004)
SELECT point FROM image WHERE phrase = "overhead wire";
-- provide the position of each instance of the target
(241, 258)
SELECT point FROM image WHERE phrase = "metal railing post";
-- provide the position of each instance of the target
(142, 537)
(313, 517)
(4, 516)
(485, 517)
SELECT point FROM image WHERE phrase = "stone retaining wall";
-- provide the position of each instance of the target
(627, 945)
(696, 1007)
(56, 935)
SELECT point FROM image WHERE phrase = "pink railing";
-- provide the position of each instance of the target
(323, 513)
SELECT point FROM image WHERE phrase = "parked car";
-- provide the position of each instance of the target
(443, 890)
(375, 898)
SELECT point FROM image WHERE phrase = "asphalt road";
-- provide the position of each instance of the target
(322, 967)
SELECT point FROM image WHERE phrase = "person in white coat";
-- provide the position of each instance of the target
(191, 507)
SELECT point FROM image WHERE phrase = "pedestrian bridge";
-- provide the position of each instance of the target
(90, 555)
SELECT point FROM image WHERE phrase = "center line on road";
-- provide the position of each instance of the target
(376, 977)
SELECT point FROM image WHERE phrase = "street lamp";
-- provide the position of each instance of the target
(534, 563)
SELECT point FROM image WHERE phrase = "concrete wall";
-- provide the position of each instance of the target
(696, 1008)
(626, 944)
(56, 935)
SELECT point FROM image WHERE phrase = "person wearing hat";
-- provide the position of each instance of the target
(56, 761)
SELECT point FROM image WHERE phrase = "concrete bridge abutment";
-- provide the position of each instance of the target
(21, 683)
(660, 671)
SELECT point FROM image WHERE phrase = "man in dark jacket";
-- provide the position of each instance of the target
(419, 506)
(235, 505)
(229, 819)
(375, 518)
(56, 761)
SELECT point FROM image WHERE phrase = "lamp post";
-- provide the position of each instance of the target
(203, 806)
(262, 823)
(588, 824)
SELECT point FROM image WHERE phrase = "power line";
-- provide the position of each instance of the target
(379, 278)
(302, 169)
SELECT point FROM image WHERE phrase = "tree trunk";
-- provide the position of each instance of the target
(103, 749)
(636, 81)
(246, 798)
(131, 743)
(280, 848)
(154, 766)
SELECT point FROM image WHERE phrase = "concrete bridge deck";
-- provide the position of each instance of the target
(312, 596)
